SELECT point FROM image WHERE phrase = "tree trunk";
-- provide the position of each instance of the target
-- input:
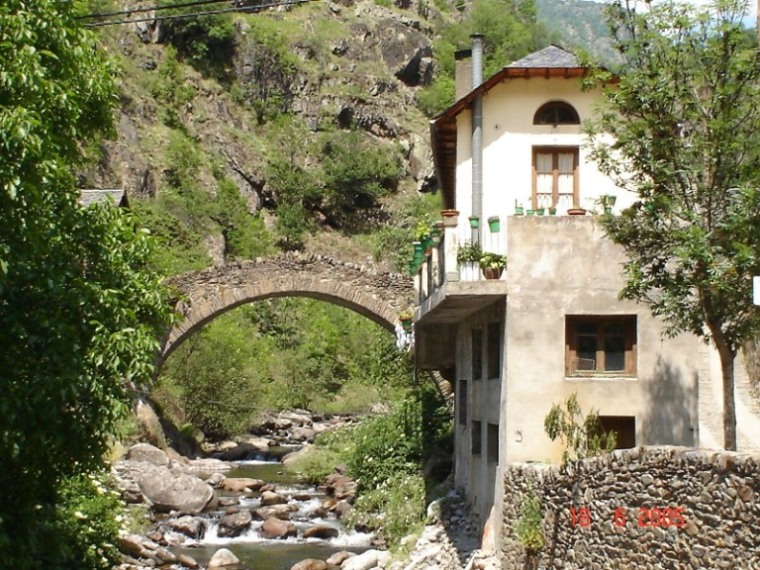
(727, 357)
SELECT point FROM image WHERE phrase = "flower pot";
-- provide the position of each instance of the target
(519, 211)
(474, 222)
(450, 218)
(417, 247)
(576, 212)
(530, 212)
(540, 212)
(492, 272)
(494, 224)
(608, 210)
(413, 267)
(406, 324)
(552, 211)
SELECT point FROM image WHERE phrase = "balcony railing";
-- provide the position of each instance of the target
(440, 262)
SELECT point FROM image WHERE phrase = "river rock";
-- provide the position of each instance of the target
(276, 528)
(295, 455)
(147, 453)
(281, 512)
(364, 561)
(310, 564)
(168, 491)
(216, 479)
(322, 531)
(223, 502)
(340, 486)
(241, 484)
(296, 418)
(269, 498)
(222, 558)
(234, 524)
(303, 434)
(188, 562)
(193, 527)
(339, 558)
(208, 465)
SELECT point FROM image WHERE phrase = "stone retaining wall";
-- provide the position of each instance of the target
(642, 509)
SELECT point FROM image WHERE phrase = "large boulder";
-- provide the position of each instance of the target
(222, 558)
(147, 453)
(148, 424)
(275, 528)
(406, 52)
(168, 491)
(281, 512)
(339, 558)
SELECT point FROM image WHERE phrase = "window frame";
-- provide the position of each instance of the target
(555, 151)
(630, 328)
(556, 107)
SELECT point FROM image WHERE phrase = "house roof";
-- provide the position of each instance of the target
(95, 195)
(551, 57)
(551, 61)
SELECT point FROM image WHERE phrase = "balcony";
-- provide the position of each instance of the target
(447, 291)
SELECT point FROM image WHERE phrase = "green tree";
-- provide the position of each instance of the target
(79, 317)
(684, 115)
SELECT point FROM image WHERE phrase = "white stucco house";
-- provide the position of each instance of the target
(552, 324)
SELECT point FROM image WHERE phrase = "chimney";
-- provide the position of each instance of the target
(477, 133)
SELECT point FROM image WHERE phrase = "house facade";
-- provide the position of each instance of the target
(551, 325)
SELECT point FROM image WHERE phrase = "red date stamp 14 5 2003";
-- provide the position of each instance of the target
(646, 517)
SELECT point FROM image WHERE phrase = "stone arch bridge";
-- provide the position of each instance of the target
(209, 293)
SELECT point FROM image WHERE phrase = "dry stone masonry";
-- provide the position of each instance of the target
(206, 294)
(643, 509)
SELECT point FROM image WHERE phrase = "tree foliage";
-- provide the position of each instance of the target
(582, 434)
(79, 315)
(684, 115)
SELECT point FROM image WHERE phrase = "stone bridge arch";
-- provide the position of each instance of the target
(209, 293)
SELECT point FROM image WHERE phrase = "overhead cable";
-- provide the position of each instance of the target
(254, 8)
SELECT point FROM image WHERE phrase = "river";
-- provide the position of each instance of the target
(258, 553)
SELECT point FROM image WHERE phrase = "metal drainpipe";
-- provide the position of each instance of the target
(477, 133)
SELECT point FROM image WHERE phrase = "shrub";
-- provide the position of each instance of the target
(528, 530)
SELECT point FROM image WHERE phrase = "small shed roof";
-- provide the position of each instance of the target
(95, 195)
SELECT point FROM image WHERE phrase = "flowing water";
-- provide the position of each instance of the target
(258, 553)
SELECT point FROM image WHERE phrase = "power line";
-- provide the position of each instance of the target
(151, 9)
(197, 14)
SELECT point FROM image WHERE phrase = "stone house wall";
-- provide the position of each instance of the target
(644, 509)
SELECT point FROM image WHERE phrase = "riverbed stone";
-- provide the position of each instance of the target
(281, 512)
(269, 498)
(275, 528)
(241, 484)
(322, 531)
(221, 558)
(188, 562)
(310, 564)
(193, 527)
(364, 561)
(234, 524)
(339, 558)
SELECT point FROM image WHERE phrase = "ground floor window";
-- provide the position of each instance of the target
(493, 443)
(624, 428)
(600, 345)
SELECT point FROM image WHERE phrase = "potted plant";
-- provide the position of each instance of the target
(553, 211)
(492, 264)
(607, 201)
(494, 224)
(468, 258)
(474, 222)
(406, 317)
(540, 211)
